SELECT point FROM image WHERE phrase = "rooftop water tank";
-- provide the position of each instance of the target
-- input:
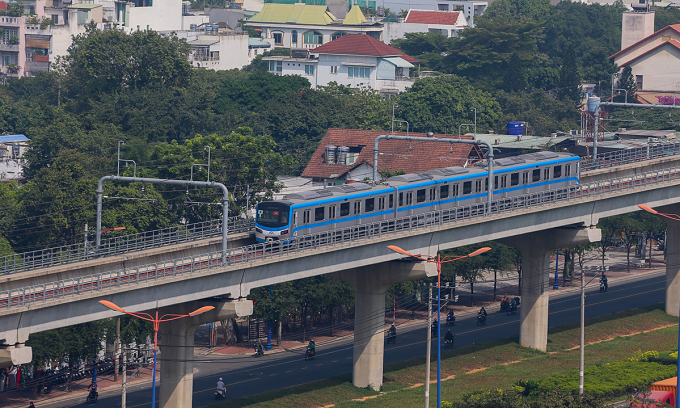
(343, 151)
(330, 154)
(593, 101)
(516, 128)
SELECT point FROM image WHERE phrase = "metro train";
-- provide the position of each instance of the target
(352, 204)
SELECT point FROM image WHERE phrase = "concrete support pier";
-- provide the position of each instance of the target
(177, 347)
(370, 284)
(673, 268)
(536, 249)
(15, 355)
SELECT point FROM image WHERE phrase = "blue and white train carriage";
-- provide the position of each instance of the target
(359, 203)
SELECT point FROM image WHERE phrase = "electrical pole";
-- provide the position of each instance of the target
(124, 379)
(116, 361)
(581, 354)
(85, 244)
(429, 348)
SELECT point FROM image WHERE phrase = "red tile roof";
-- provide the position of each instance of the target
(674, 43)
(432, 17)
(411, 157)
(360, 44)
(674, 27)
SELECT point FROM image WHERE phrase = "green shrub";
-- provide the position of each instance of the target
(610, 380)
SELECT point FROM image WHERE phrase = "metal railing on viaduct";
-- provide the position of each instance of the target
(190, 266)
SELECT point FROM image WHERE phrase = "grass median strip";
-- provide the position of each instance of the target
(495, 364)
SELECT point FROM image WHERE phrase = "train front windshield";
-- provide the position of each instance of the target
(273, 215)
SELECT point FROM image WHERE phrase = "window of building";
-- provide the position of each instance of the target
(318, 214)
(293, 37)
(536, 175)
(275, 66)
(331, 212)
(557, 171)
(443, 191)
(334, 69)
(514, 179)
(309, 69)
(359, 72)
(467, 187)
(369, 205)
(313, 37)
(420, 195)
(278, 38)
(443, 7)
(638, 82)
(55, 18)
(335, 36)
(344, 209)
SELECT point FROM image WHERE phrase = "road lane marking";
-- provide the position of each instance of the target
(318, 365)
(303, 368)
(334, 361)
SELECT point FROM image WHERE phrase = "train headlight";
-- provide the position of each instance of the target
(284, 232)
(258, 230)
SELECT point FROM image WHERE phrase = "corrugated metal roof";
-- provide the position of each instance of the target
(84, 6)
(204, 42)
(298, 13)
(255, 43)
(13, 138)
(354, 17)
(527, 142)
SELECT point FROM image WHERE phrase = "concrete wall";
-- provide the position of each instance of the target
(660, 69)
(324, 76)
(165, 15)
(636, 26)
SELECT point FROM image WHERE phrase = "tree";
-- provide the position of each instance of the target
(469, 269)
(627, 82)
(569, 85)
(665, 17)
(536, 10)
(440, 104)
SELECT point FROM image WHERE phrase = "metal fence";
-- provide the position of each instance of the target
(122, 244)
(70, 288)
(651, 151)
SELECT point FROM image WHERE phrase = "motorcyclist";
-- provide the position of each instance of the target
(448, 336)
(220, 387)
(93, 390)
(450, 316)
(392, 331)
(482, 312)
(311, 347)
(259, 349)
(603, 280)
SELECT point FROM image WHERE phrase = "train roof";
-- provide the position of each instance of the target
(436, 174)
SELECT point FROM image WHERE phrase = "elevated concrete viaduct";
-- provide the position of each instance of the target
(364, 261)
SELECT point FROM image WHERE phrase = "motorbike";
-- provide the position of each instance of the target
(512, 309)
(220, 394)
(391, 338)
(450, 320)
(603, 288)
(504, 305)
(448, 343)
(481, 319)
(92, 397)
(309, 354)
(433, 329)
(259, 351)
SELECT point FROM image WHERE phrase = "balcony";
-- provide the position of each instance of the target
(9, 47)
(37, 66)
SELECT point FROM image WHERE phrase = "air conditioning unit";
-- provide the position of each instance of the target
(497, 142)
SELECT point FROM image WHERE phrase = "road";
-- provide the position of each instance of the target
(247, 375)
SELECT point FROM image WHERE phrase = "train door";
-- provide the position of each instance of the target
(306, 220)
(357, 211)
(433, 199)
(525, 182)
(409, 202)
(331, 216)
(478, 190)
(546, 177)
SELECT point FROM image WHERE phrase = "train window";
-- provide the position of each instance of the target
(536, 175)
(525, 177)
(295, 218)
(433, 194)
(467, 187)
(454, 193)
(401, 199)
(344, 209)
(546, 173)
(567, 170)
(420, 195)
(331, 212)
(486, 184)
(305, 217)
(370, 205)
(409, 198)
(495, 183)
(391, 201)
(357, 207)
(443, 191)
(381, 203)
(319, 213)
(514, 179)
(478, 186)
(557, 171)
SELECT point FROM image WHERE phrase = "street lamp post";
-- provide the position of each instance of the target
(439, 261)
(156, 322)
(673, 217)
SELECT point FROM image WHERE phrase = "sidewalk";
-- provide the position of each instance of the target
(483, 296)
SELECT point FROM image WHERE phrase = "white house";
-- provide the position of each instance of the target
(447, 23)
(300, 25)
(654, 57)
(354, 60)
